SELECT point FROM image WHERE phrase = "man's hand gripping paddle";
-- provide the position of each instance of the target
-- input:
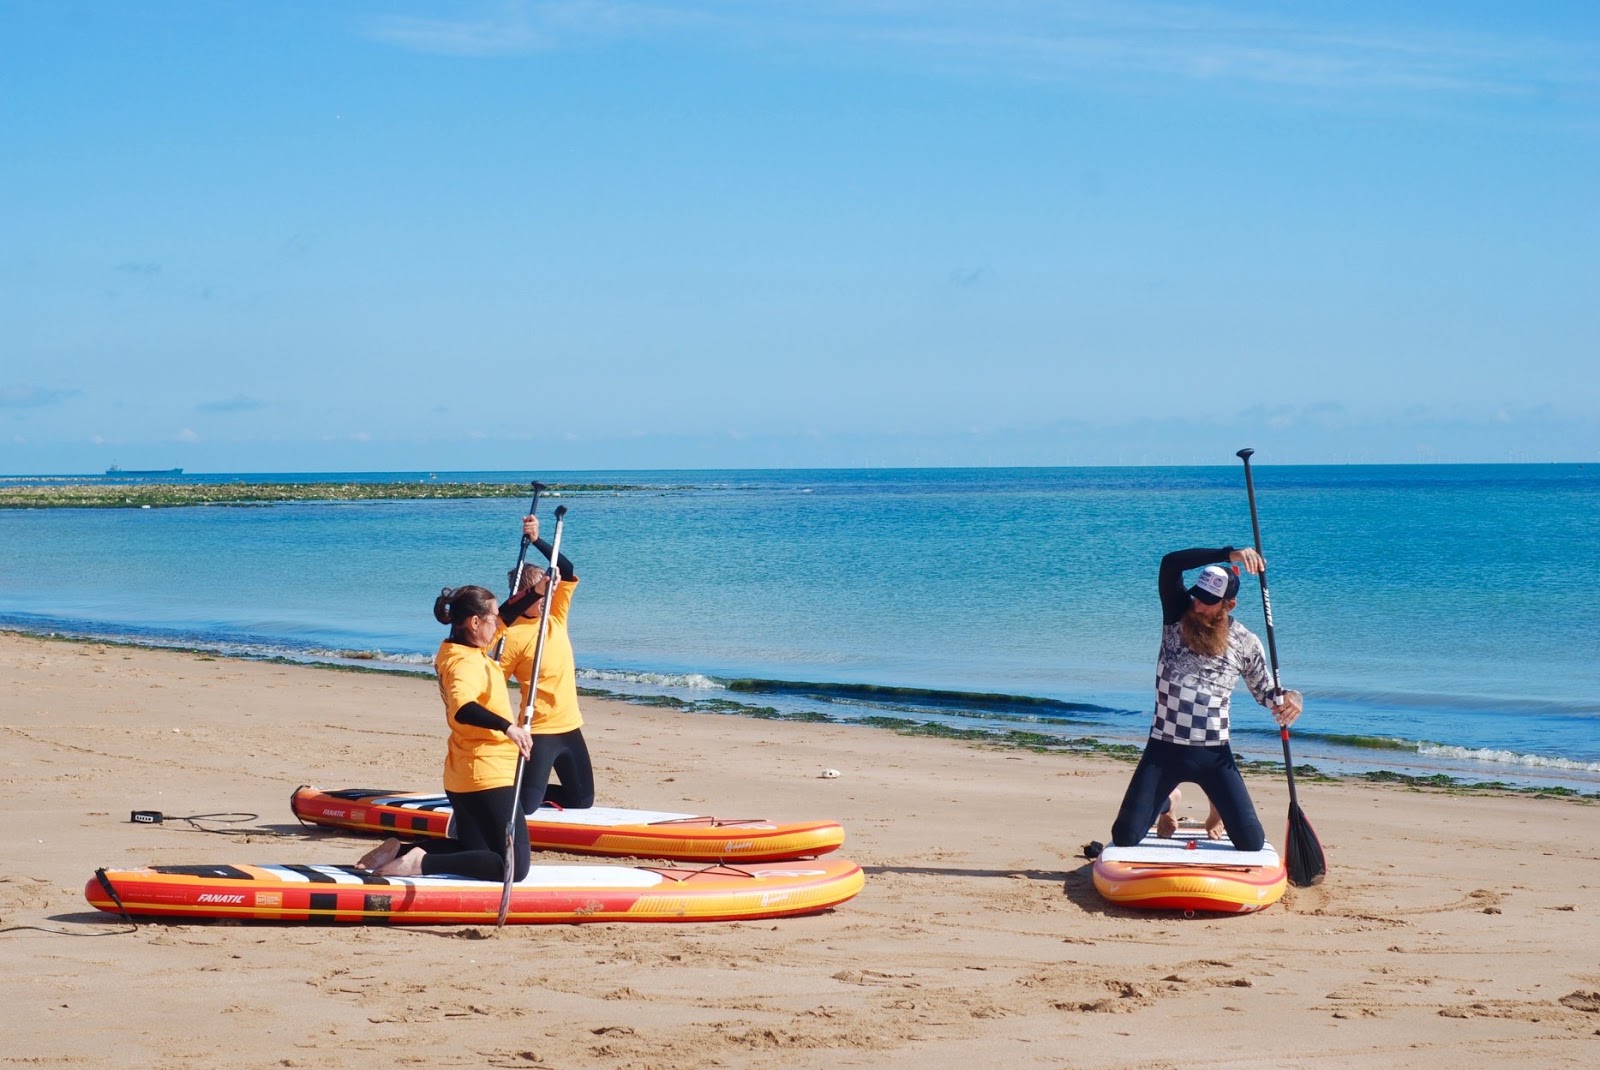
(553, 577)
(1302, 852)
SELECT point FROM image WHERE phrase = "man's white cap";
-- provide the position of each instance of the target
(1214, 584)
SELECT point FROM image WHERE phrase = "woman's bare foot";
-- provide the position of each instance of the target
(406, 865)
(384, 852)
(1214, 829)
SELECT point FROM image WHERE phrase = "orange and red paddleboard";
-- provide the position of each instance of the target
(569, 893)
(601, 830)
(1190, 872)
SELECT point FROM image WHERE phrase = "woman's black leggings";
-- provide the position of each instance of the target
(1164, 766)
(568, 755)
(478, 850)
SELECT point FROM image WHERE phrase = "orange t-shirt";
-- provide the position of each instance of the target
(556, 708)
(477, 758)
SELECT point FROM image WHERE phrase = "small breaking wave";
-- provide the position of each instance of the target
(1505, 757)
(371, 655)
(692, 681)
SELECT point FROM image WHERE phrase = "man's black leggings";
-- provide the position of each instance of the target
(1163, 767)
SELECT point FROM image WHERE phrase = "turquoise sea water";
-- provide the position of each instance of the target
(1438, 618)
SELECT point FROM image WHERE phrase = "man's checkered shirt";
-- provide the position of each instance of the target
(1193, 690)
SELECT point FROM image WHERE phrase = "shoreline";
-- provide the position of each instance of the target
(948, 727)
(1448, 929)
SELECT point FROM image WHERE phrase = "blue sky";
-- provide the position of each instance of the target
(241, 236)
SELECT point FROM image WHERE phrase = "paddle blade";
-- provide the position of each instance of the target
(1302, 851)
(505, 903)
(510, 856)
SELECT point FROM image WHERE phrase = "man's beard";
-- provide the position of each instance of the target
(1206, 636)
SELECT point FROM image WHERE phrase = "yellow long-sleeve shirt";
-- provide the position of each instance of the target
(477, 758)
(555, 708)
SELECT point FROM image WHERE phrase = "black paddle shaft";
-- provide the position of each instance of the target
(532, 684)
(1266, 599)
(522, 551)
(1266, 610)
(1303, 856)
(522, 555)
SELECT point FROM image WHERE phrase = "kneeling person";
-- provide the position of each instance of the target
(1204, 653)
(556, 724)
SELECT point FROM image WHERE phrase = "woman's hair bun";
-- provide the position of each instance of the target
(441, 605)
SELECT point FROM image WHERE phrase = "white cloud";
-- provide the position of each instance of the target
(237, 403)
(483, 37)
(1242, 43)
(513, 28)
(32, 397)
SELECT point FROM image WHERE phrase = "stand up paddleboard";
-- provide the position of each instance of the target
(1190, 872)
(343, 894)
(600, 830)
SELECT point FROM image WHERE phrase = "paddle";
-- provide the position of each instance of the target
(522, 555)
(554, 577)
(1302, 852)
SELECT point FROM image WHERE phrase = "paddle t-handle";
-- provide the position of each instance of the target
(533, 511)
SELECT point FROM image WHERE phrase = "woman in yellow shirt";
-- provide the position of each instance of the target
(485, 746)
(556, 724)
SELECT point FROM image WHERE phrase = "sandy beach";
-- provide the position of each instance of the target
(1452, 930)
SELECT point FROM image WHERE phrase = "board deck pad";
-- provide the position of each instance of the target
(1189, 847)
(559, 893)
(600, 830)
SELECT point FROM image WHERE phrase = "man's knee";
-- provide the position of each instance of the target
(1124, 834)
(1249, 838)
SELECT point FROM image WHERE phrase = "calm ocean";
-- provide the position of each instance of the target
(1438, 618)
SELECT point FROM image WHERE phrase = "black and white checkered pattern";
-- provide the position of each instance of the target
(1187, 714)
(1194, 691)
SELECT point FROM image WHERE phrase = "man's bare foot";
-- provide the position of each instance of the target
(384, 852)
(406, 865)
(1214, 829)
(1167, 823)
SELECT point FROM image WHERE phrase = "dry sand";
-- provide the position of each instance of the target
(1452, 931)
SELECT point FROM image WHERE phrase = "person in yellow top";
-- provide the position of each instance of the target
(480, 765)
(556, 723)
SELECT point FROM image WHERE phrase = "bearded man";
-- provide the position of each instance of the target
(1204, 652)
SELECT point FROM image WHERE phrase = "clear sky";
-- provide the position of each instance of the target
(239, 235)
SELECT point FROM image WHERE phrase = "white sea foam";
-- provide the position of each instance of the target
(1505, 757)
(692, 680)
(372, 655)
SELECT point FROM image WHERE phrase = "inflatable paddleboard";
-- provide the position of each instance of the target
(1190, 872)
(600, 830)
(340, 894)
